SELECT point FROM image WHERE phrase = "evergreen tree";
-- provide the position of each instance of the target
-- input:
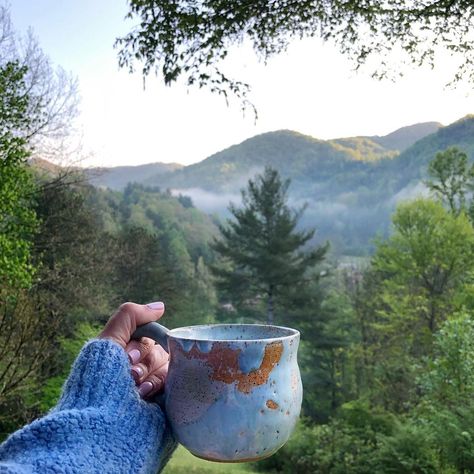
(262, 250)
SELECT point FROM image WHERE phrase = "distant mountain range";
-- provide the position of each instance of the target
(291, 152)
(351, 185)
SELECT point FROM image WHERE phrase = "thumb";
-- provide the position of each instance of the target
(123, 323)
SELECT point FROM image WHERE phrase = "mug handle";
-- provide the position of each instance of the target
(154, 331)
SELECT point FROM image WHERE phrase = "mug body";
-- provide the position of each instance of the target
(233, 391)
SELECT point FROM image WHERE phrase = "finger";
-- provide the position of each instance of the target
(152, 362)
(154, 382)
(137, 350)
(123, 323)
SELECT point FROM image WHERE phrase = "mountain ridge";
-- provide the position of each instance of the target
(350, 185)
(251, 155)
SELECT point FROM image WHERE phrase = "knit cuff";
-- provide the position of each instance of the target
(100, 375)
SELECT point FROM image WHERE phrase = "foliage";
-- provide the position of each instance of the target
(18, 220)
(328, 337)
(408, 451)
(346, 445)
(450, 431)
(262, 248)
(446, 409)
(161, 252)
(426, 264)
(91, 255)
(191, 39)
(449, 380)
(451, 178)
(418, 278)
(24, 348)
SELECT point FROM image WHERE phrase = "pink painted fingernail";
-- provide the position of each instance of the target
(137, 372)
(145, 388)
(134, 356)
(157, 305)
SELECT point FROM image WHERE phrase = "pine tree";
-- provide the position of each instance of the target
(263, 256)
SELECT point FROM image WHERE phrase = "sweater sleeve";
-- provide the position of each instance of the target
(100, 424)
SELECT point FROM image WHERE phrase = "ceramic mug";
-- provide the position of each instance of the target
(233, 391)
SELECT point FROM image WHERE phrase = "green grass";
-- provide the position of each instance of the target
(183, 462)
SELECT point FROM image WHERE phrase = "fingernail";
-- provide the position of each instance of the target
(157, 305)
(137, 372)
(134, 356)
(145, 388)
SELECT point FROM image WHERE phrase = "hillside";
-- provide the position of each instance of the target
(351, 185)
(297, 156)
(294, 154)
(405, 137)
(118, 177)
(412, 163)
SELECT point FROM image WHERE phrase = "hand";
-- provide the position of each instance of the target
(149, 360)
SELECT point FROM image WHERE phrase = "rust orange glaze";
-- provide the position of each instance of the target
(225, 364)
(272, 405)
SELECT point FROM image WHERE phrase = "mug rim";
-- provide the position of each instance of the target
(294, 333)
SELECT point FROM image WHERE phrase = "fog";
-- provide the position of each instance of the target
(412, 191)
(208, 201)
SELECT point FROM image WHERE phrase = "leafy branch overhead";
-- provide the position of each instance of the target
(189, 39)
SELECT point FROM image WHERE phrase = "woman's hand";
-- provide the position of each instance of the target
(149, 360)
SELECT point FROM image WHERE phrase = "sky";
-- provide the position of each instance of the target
(311, 88)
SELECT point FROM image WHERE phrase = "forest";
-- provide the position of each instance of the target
(387, 351)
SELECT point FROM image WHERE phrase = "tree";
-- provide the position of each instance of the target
(451, 178)
(190, 38)
(419, 277)
(426, 265)
(261, 247)
(17, 217)
(449, 380)
(140, 272)
(53, 94)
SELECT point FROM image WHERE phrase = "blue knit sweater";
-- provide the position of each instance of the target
(100, 424)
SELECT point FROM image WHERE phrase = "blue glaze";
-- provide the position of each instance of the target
(204, 346)
(251, 356)
(186, 344)
(222, 402)
(238, 426)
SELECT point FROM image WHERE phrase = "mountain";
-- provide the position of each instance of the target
(405, 137)
(415, 159)
(297, 156)
(292, 153)
(350, 185)
(409, 169)
(118, 177)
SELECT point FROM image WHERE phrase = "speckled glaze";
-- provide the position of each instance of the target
(233, 391)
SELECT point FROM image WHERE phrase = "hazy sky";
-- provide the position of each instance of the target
(311, 89)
